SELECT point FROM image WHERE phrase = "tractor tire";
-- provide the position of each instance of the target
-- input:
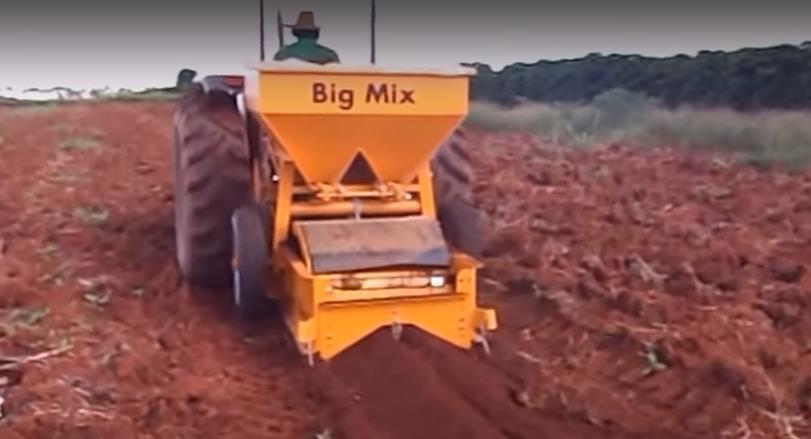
(212, 178)
(250, 261)
(452, 168)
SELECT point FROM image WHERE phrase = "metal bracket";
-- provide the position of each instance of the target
(396, 328)
(398, 190)
(308, 350)
(480, 337)
(357, 209)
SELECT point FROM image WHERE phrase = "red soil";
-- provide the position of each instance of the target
(640, 294)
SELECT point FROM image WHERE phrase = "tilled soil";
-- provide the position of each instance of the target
(641, 293)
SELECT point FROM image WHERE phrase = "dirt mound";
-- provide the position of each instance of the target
(640, 294)
(422, 388)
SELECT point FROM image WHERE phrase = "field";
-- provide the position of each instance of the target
(641, 293)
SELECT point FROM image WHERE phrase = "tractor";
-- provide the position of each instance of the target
(342, 193)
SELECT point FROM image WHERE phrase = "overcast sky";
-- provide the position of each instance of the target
(130, 43)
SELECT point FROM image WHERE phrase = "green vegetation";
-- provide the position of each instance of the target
(151, 94)
(767, 136)
(80, 143)
(91, 215)
(22, 318)
(747, 79)
(32, 108)
(748, 102)
(39, 106)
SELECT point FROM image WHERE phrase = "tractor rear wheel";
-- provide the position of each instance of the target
(452, 168)
(212, 178)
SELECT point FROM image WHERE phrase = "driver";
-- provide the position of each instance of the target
(307, 47)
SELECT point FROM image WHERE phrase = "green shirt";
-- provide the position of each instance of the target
(309, 50)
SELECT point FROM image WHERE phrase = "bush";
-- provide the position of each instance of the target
(746, 79)
(619, 107)
(767, 136)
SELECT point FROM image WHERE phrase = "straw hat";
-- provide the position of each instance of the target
(306, 21)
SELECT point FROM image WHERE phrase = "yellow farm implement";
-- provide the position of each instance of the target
(315, 186)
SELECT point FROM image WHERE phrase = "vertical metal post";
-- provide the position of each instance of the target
(262, 30)
(373, 19)
(280, 27)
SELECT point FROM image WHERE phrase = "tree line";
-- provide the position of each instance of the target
(746, 79)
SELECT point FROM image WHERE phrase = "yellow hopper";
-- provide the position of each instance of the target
(353, 235)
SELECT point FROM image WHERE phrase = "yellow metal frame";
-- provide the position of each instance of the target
(328, 313)
(324, 322)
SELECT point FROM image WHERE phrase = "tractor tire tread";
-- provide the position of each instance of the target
(212, 179)
(453, 173)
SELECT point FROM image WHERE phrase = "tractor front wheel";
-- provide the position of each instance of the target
(249, 261)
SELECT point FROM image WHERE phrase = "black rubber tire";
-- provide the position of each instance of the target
(250, 261)
(452, 168)
(212, 178)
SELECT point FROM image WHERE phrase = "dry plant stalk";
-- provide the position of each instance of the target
(785, 423)
(11, 362)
